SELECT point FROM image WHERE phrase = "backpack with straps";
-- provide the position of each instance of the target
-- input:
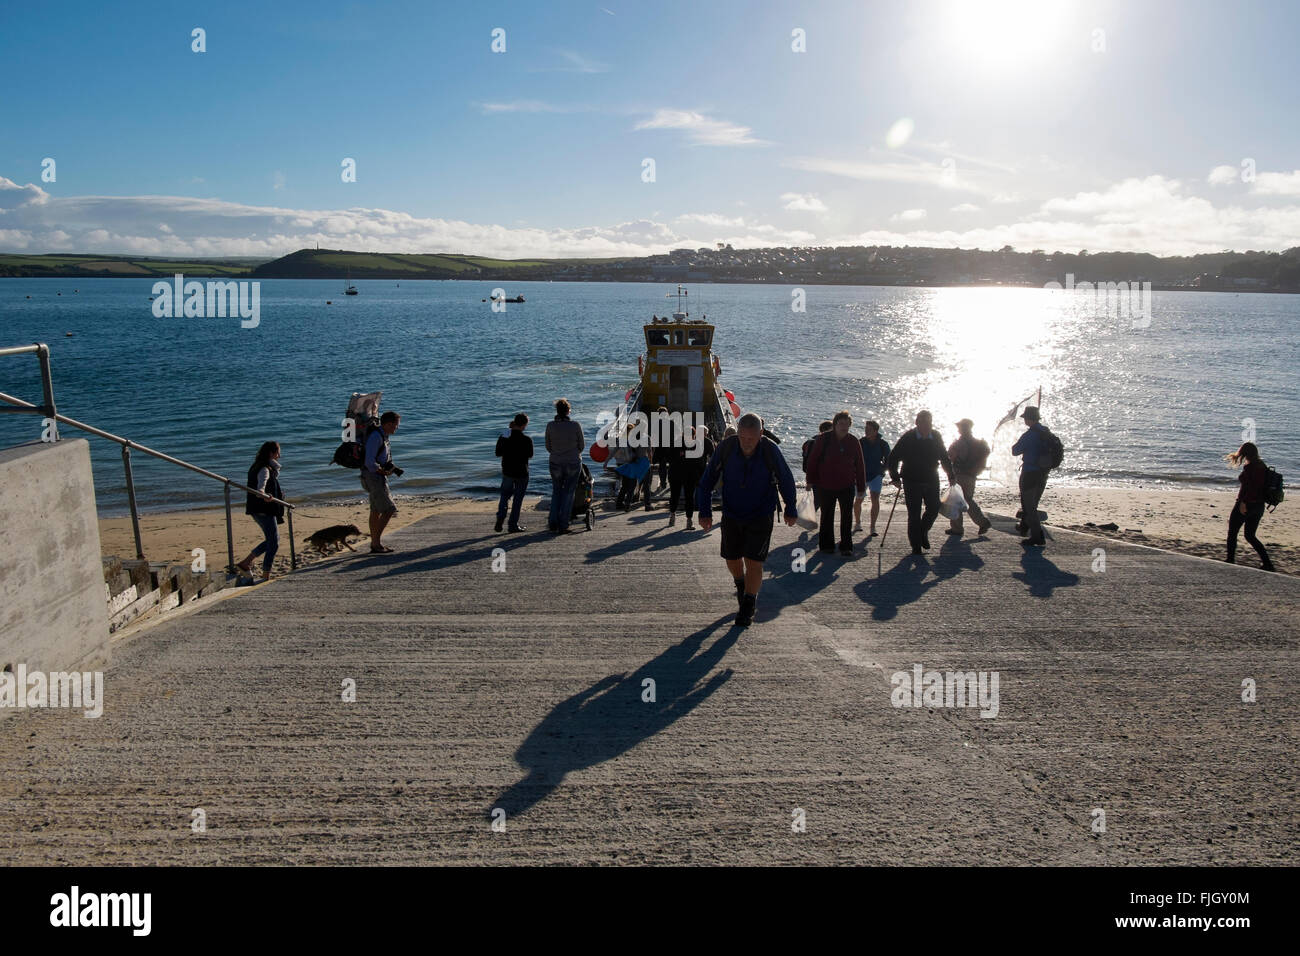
(1055, 453)
(1273, 493)
(352, 454)
(728, 447)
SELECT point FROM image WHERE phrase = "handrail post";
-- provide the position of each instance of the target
(293, 555)
(230, 534)
(130, 495)
(47, 379)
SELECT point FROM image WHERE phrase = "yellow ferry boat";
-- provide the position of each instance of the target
(680, 372)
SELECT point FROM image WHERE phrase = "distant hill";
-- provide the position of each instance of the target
(805, 265)
(68, 266)
(337, 263)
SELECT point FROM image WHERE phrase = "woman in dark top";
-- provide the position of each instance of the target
(1249, 507)
(264, 476)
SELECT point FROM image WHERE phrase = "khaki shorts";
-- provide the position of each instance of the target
(381, 500)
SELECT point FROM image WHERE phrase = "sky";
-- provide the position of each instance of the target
(631, 128)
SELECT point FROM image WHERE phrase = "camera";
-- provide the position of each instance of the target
(396, 471)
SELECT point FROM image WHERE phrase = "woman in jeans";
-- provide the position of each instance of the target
(264, 476)
(1249, 507)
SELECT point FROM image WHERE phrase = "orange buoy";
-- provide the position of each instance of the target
(627, 394)
(735, 409)
(598, 451)
(728, 393)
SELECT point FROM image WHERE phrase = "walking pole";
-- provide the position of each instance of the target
(888, 522)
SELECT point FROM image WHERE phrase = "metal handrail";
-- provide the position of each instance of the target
(50, 411)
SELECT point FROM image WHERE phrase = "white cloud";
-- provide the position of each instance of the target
(917, 172)
(965, 207)
(703, 130)
(524, 106)
(12, 195)
(908, 215)
(713, 219)
(1278, 184)
(1153, 215)
(802, 202)
(1222, 175)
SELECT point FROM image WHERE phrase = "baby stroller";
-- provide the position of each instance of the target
(582, 498)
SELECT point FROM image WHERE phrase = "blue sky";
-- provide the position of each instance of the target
(936, 122)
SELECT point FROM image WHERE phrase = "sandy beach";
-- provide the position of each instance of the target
(1190, 522)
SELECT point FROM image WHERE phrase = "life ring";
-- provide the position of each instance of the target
(640, 365)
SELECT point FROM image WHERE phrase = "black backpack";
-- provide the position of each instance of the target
(1055, 453)
(728, 447)
(352, 454)
(1273, 493)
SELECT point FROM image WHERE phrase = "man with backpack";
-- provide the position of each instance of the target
(375, 469)
(921, 453)
(835, 470)
(1042, 452)
(969, 457)
(822, 429)
(751, 470)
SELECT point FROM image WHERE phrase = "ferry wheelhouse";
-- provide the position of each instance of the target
(681, 372)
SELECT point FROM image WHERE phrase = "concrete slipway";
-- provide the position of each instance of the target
(522, 691)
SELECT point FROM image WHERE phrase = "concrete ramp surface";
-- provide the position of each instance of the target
(590, 702)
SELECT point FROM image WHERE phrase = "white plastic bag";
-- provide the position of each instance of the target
(955, 503)
(807, 513)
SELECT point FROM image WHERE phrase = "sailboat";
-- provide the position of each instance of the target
(349, 288)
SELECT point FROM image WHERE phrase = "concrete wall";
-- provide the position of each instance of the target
(53, 615)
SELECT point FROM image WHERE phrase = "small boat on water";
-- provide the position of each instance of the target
(680, 371)
(349, 288)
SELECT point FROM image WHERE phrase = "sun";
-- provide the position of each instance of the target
(1004, 35)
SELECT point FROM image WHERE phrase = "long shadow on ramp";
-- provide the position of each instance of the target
(611, 717)
(1042, 575)
(907, 582)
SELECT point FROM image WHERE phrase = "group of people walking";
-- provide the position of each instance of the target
(842, 469)
(755, 482)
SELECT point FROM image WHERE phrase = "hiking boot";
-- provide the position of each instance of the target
(672, 519)
(748, 605)
(517, 527)
(690, 523)
(500, 524)
(984, 528)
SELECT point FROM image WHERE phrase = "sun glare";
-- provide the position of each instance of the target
(1004, 35)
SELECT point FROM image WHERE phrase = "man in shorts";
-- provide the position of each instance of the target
(751, 469)
(374, 478)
